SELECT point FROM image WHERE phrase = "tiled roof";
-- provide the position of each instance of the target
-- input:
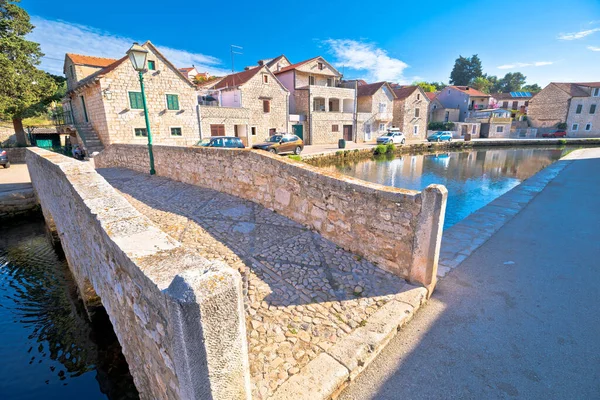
(79, 59)
(294, 66)
(572, 89)
(186, 70)
(470, 91)
(404, 91)
(369, 89)
(272, 62)
(431, 95)
(589, 84)
(237, 79)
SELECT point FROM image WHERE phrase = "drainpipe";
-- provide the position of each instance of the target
(309, 115)
(199, 119)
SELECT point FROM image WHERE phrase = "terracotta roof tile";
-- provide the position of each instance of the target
(470, 91)
(80, 59)
(368, 89)
(294, 66)
(237, 79)
(404, 91)
(431, 95)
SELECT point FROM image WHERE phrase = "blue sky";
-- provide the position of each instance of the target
(400, 41)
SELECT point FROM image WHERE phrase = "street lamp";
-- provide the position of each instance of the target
(138, 55)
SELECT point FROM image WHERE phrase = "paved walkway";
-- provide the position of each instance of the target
(304, 293)
(518, 318)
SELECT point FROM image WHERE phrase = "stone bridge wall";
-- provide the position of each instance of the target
(179, 318)
(398, 229)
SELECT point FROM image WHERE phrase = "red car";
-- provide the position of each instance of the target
(555, 134)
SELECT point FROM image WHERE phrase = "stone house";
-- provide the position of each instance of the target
(410, 111)
(103, 103)
(465, 98)
(516, 102)
(495, 123)
(576, 104)
(375, 103)
(275, 64)
(321, 108)
(251, 105)
(439, 113)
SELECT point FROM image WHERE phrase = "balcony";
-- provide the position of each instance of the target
(62, 117)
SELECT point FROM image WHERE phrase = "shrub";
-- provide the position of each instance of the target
(295, 157)
(562, 141)
(562, 126)
(440, 126)
(390, 148)
(380, 149)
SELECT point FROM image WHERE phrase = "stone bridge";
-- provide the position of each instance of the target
(237, 274)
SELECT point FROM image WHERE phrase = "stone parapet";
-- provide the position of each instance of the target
(178, 317)
(398, 229)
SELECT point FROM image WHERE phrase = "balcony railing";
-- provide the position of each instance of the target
(62, 117)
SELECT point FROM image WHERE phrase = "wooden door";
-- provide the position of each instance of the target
(217, 130)
(348, 132)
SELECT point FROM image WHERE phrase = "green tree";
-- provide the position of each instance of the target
(24, 87)
(465, 70)
(512, 82)
(534, 88)
(481, 83)
(426, 86)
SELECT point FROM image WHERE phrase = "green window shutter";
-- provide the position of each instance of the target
(172, 102)
(135, 100)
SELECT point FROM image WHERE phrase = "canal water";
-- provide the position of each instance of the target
(49, 348)
(473, 178)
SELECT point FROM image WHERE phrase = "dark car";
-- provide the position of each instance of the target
(282, 143)
(4, 159)
(229, 142)
(555, 134)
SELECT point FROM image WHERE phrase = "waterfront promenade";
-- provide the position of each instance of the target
(517, 318)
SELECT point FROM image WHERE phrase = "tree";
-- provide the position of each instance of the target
(426, 86)
(481, 83)
(465, 70)
(531, 88)
(24, 87)
(512, 82)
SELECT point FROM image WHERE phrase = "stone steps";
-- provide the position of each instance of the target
(90, 138)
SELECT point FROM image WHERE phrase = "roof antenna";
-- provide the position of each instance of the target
(232, 55)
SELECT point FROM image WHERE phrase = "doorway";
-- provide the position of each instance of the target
(298, 131)
(348, 133)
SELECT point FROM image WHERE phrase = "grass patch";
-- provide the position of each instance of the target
(390, 148)
(295, 157)
(380, 149)
(362, 323)
(562, 141)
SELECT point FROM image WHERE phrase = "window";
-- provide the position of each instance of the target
(151, 65)
(593, 109)
(335, 128)
(321, 66)
(415, 130)
(265, 78)
(575, 127)
(135, 101)
(499, 129)
(217, 130)
(329, 82)
(505, 104)
(416, 113)
(382, 108)
(473, 129)
(311, 80)
(578, 109)
(176, 131)
(596, 92)
(140, 132)
(172, 102)
(381, 127)
(72, 71)
(418, 96)
(588, 127)
(368, 128)
(267, 106)
(253, 130)
(272, 131)
(319, 104)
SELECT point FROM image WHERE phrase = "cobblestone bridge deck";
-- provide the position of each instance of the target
(304, 293)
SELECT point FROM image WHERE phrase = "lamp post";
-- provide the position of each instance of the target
(138, 55)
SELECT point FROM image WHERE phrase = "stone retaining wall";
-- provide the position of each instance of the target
(17, 203)
(178, 317)
(400, 230)
(16, 155)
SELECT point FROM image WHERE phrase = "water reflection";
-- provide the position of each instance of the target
(49, 348)
(473, 178)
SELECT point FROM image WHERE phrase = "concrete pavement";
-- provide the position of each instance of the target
(518, 317)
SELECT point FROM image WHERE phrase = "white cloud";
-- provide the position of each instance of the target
(59, 37)
(593, 48)
(360, 56)
(522, 65)
(577, 35)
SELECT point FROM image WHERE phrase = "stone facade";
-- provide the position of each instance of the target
(245, 117)
(111, 115)
(585, 123)
(179, 318)
(398, 229)
(549, 107)
(410, 113)
(374, 113)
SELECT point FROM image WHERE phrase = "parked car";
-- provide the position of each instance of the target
(440, 136)
(281, 143)
(4, 159)
(229, 142)
(393, 135)
(555, 134)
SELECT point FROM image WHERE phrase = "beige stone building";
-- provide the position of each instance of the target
(251, 105)
(103, 104)
(410, 110)
(375, 103)
(439, 113)
(322, 108)
(576, 104)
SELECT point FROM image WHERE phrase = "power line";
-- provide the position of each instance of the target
(232, 55)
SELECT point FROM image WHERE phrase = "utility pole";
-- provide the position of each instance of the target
(232, 55)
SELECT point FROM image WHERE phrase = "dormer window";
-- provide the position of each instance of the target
(265, 78)
(596, 92)
(321, 66)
